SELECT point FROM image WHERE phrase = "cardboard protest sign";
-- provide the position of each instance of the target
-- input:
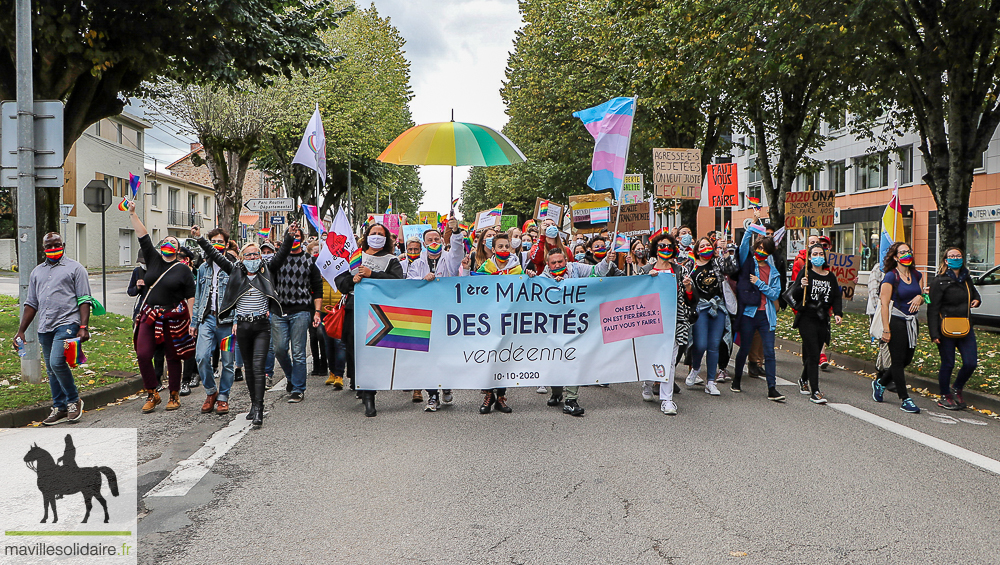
(590, 213)
(677, 173)
(632, 189)
(507, 222)
(636, 219)
(486, 219)
(391, 222)
(810, 209)
(427, 217)
(723, 185)
(846, 269)
(548, 209)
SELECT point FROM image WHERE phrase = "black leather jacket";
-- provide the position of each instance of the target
(239, 282)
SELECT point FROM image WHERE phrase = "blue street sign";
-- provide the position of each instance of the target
(277, 219)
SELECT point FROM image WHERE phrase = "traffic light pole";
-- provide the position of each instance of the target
(31, 369)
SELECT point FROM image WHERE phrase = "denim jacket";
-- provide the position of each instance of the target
(771, 289)
(203, 293)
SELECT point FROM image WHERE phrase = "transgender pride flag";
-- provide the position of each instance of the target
(611, 125)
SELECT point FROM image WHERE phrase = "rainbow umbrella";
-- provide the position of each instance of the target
(452, 143)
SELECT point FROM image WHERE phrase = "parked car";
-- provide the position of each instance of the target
(988, 285)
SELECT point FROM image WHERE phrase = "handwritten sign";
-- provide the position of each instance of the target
(723, 185)
(486, 220)
(846, 269)
(549, 210)
(507, 222)
(677, 173)
(632, 190)
(810, 209)
(427, 217)
(635, 219)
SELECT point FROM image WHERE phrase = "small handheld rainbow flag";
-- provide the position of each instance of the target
(454, 203)
(496, 210)
(264, 233)
(73, 349)
(123, 205)
(355, 261)
(228, 343)
(543, 209)
(691, 254)
(754, 201)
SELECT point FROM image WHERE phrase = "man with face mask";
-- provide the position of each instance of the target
(59, 296)
(685, 242)
(597, 252)
(210, 286)
(299, 287)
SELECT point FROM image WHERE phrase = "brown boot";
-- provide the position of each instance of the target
(175, 401)
(209, 402)
(501, 405)
(152, 399)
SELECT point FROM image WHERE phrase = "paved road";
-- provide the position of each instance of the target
(731, 479)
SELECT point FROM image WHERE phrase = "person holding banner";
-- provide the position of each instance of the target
(710, 269)
(666, 262)
(901, 297)
(413, 250)
(953, 296)
(503, 262)
(557, 267)
(757, 290)
(484, 250)
(822, 293)
(598, 251)
(377, 262)
(251, 295)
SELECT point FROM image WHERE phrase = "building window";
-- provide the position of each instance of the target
(119, 132)
(980, 163)
(806, 181)
(871, 171)
(843, 241)
(208, 206)
(904, 156)
(838, 121)
(138, 140)
(173, 199)
(97, 128)
(838, 177)
(980, 245)
(753, 174)
(866, 238)
(154, 193)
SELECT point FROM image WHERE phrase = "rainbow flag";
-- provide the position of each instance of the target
(355, 261)
(489, 267)
(621, 244)
(264, 234)
(454, 203)
(73, 349)
(133, 183)
(312, 214)
(691, 253)
(228, 343)
(496, 210)
(753, 201)
(468, 241)
(610, 124)
(892, 225)
(543, 209)
(396, 327)
(123, 205)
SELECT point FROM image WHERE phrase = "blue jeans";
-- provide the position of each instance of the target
(292, 329)
(60, 377)
(760, 324)
(210, 337)
(706, 335)
(967, 348)
(336, 353)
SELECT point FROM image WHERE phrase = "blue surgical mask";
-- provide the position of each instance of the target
(552, 231)
(526, 244)
(252, 265)
(686, 240)
(580, 256)
(488, 243)
(955, 263)
(819, 260)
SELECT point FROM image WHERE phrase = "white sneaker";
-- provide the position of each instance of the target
(541, 390)
(447, 397)
(710, 388)
(668, 407)
(647, 392)
(722, 376)
(693, 379)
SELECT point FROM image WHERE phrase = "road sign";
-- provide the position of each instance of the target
(97, 196)
(277, 220)
(49, 153)
(270, 204)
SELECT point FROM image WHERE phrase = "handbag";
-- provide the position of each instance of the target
(795, 295)
(333, 322)
(958, 327)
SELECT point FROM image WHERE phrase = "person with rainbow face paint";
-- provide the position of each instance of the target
(558, 267)
(901, 296)
(709, 269)
(59, 297)
(436, 261)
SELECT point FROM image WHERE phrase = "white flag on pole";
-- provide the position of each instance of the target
(312, 150)
(335, 254)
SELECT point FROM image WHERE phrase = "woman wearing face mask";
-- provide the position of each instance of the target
(484, 249)
(549, 239)
(580, 252)
(685, 239)
(666, 262)
(822, 292)
(636, 260)
(953, 295)
(251, 293)
(901, 297)
(377, 262)
(757, 291)
(164, 316)
(710, 268)
(525, 248)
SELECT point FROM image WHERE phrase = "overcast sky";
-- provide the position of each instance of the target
(457, 51)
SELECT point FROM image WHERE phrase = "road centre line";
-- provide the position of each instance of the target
(941, 445)
(191, 470)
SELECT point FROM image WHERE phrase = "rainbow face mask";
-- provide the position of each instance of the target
(296, 245)
(219, 246)
(558, 272)
(502, 255)
(168, 249)
(434, 248)
(665, 254)
(413, 256)
(906, 259)
(54, 254)
(706, 253)
(600, 254)
(761, 255)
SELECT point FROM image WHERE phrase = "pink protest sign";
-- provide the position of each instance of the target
(391, 221)
(629, 318)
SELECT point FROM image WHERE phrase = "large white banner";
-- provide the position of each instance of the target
(512, 330)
